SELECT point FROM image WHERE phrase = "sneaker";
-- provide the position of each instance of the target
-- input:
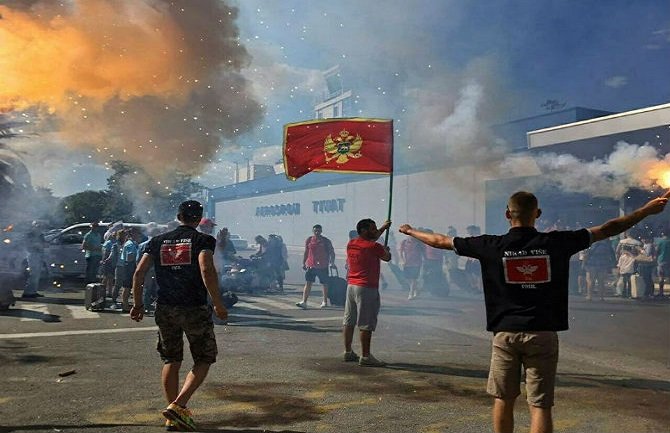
(323, 305)
(370, 361)
(301, 304)
(351, 357)
(170, 425)
(114, 306)
(180, 416)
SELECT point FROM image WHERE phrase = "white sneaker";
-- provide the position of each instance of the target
(301, 304)
(323, 305)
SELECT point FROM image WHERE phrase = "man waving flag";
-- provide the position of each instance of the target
(351, 145)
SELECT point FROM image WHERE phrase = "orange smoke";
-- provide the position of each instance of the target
(661, 175)
(156, 83)
(56, 62)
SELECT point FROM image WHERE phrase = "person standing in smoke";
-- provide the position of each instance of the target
(119, 269)
(35, 248)
(92, 246)
(319, 254)
(663, 262)
(599, 261)
(128, 257)
(525, 281)
(363, 302)
(433, 273)
(183, 260)
(412, 255)
(110, 256)
(646, 264)
(227, 250)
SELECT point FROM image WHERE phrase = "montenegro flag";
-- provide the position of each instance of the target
(350, 145)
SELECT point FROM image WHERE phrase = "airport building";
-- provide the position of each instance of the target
(427, 196)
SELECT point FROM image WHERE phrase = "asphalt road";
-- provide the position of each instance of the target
(280, 368)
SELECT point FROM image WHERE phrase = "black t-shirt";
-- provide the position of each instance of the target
(175, 256)
(525, 276)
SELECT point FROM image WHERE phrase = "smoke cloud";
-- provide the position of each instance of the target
(156, 83)
(628, 166)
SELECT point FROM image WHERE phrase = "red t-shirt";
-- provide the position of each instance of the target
(411, 251)
(319, 251)
(363, 258)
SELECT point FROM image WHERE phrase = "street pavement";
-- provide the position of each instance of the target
(280, 368)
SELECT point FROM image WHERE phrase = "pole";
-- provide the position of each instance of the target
(386, 237)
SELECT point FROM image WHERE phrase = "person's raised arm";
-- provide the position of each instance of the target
(619, 225)
(137, 312)
(383, 228)
(211, 281)
(435, 240)
(387, 254)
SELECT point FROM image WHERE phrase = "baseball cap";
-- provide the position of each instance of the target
(190, 208)
(207, 222)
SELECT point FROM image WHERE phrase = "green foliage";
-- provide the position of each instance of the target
(83, 206)
(132, 195)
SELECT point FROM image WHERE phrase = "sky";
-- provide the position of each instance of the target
(443, 70)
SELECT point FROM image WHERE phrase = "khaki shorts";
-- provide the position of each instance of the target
(196, 322)
(537, 353)
(361, 307)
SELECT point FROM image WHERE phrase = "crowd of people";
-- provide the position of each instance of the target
(635, 266)
(525, 277)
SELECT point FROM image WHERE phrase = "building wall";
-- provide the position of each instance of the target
(424, 199)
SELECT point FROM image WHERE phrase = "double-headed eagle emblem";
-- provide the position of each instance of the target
(527, 270)
(342, 147)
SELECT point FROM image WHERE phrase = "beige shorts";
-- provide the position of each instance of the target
(361, 307)
(536, 353)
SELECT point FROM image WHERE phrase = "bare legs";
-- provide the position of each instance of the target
(503, 417)
(365, 336)
(308, 289)
(170, 380)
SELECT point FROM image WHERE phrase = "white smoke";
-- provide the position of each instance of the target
(628, 166)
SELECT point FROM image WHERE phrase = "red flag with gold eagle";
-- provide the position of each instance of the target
(350, 145)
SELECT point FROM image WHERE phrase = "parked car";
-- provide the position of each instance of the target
(239, 242)
(63, 256)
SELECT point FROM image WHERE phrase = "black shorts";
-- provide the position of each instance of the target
(312, 273)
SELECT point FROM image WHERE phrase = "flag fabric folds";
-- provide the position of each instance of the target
(350, 145)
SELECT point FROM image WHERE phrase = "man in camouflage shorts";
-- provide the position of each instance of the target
(185, 273)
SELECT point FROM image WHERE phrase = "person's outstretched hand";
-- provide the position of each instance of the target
(404, 228)
(656, 205)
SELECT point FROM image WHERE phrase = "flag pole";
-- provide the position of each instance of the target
(386, 237)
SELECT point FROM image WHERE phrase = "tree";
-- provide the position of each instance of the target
(46, 206)
(134, 195)
(84, 206)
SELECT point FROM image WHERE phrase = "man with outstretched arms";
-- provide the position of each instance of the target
(525, 280)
